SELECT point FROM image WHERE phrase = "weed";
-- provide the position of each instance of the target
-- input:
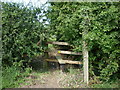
(12, 76)
(111, 84)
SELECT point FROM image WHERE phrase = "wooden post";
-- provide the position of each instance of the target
(45, 63)
(85, 62)
(86, 24)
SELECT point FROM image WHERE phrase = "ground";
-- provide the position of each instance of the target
(55, 79)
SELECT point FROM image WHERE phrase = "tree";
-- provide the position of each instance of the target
(67, 21)
(21, 32)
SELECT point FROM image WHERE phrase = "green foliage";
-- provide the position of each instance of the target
(114, 84)
(68, 20)
(21, 32)
(9, 77)
(13, 76)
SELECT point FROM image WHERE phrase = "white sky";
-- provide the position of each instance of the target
(34, 2)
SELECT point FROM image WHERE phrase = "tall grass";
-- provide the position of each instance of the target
(13, 76)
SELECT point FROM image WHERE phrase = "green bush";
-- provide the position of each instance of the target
(69, 20)
(21, 32)
(13, 76)
(10, 76)
(106, 85)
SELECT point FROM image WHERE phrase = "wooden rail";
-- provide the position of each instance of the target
(58, 43)
(64, 61)
(61, 61)
(57, 53)
(68, 52)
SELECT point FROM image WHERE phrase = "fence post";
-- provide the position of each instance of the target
(86, 23)
(45, 63)
(85, 62)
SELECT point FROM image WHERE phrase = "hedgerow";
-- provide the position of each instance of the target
(22, 30)
(67, 22)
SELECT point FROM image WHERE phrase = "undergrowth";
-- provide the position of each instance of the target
(13, 76)
(109, 84)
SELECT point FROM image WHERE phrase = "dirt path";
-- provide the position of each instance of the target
(55, 79)
(48, 80)
(52, 81)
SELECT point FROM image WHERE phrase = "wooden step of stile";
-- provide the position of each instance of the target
(58, 43)
(57, 54)
(64, 61)
(68, 52)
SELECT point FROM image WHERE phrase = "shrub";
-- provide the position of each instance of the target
(21, 32)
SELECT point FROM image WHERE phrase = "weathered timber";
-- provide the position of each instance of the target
(85, 51)
(57, 55)
(68, 52)
(58, 43)
(64, 61)
(60, 60)
(85, 60)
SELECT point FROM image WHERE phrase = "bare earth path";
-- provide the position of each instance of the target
(48, 80)
(54, 79)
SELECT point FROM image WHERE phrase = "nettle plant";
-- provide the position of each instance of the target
(21, 31)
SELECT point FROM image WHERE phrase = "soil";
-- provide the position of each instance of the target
(49, 80)
(54, 79)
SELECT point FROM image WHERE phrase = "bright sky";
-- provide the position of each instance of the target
(34, 2)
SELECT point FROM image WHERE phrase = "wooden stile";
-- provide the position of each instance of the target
(61, 61)
(58, 43)
(68, 52)
(64, 61)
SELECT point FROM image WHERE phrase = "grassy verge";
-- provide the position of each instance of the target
(115, 84)
(13, 76)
